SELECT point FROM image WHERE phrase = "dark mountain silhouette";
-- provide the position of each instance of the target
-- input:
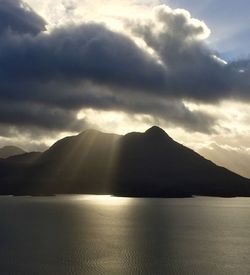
(137, 164)
(13, 171)
(77, 164)
(8, 151)
(153, 164)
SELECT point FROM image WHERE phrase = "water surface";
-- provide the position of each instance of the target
(105, 235)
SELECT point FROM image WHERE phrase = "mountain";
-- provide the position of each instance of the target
(153, 164)
(8, 151)
(77, 164)
(147, 164)
(13, 172)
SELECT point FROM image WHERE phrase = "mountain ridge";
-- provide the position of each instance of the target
(10, 150)
(149, 164)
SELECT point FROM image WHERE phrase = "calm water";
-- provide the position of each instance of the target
(103, 235)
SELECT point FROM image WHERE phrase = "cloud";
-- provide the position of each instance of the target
(85, 52)
(17, 16)
(47, 77)
(39, 116)
(82, 66)
(193, 71)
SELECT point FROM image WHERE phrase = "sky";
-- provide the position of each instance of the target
(121, 66)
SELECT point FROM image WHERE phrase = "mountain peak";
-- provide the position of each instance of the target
(156, 131)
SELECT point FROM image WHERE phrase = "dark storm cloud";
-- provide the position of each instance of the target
(39, 115)
(17, 16)
(45, 78)
(81, 52)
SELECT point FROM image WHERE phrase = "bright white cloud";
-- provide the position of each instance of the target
(110, 12)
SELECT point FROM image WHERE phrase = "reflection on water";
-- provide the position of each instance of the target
(102, 199)
(109, 235)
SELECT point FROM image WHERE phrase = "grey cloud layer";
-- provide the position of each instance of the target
(74, 67)
(76, 53)
(16, 16)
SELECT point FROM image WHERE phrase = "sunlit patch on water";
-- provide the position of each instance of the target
(103, 199)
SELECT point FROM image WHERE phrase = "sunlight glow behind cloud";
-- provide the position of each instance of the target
(115, 121)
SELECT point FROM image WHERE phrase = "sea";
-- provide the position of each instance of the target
(86, 234)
